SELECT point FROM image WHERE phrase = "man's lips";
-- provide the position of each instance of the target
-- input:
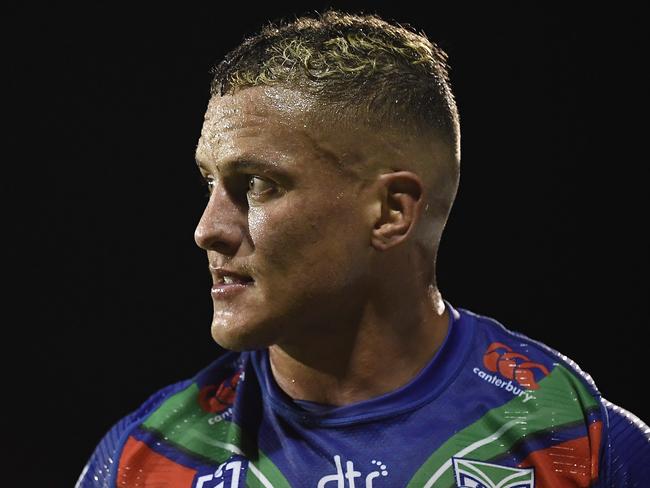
(228, 284)
(223, 276)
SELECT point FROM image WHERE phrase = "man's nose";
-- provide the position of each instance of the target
(221, 225)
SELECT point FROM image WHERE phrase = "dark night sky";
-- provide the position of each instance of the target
(110, 295)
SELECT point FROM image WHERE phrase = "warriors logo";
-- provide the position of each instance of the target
(478, 474)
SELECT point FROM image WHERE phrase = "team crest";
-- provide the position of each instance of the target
(479, 474)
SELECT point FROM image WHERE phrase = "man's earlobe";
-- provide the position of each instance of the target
(400, 208)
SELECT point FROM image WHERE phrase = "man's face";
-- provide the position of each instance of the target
(293, 222)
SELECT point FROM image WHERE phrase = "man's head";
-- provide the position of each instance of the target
(356, 129)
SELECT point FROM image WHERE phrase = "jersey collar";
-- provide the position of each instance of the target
(427, 385)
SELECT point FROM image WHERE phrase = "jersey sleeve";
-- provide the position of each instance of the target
(628, 448)
(98, 471)
(99, 468)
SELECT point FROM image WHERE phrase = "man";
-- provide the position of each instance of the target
(331, 150)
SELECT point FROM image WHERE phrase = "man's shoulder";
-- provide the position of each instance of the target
(562, 396)
(508, 351)
(163, 408)
(204, 383)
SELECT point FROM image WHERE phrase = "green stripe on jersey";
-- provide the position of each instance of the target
(561, 399)
(180, 421)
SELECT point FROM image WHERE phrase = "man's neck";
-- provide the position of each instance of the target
(384, 352)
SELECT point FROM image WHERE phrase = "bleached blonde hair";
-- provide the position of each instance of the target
(359, 66)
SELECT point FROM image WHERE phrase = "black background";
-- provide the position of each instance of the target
(108, 294)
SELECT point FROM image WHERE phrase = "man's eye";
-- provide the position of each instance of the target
(209, 183)
(258, 186)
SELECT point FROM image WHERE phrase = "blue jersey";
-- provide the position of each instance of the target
(493, 408)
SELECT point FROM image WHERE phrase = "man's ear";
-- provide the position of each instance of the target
(401, 194)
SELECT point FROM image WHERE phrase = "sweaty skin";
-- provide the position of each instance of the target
(330, 226)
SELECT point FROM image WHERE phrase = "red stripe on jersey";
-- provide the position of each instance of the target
(570, 464)
(595, 431)
(142, 467)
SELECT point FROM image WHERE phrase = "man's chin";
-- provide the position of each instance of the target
(237, 338)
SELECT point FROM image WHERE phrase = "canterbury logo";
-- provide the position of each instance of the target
(513, 365)
(216, 399)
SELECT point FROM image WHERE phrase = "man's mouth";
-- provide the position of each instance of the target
(229, 285)
(224, 276)
(235, 279)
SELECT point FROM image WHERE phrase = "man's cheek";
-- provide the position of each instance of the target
(278, 249)
(257, 223)
(293, 235)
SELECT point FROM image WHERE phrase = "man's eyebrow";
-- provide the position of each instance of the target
(242, 163)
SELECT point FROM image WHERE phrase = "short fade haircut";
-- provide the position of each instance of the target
(359, 67)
